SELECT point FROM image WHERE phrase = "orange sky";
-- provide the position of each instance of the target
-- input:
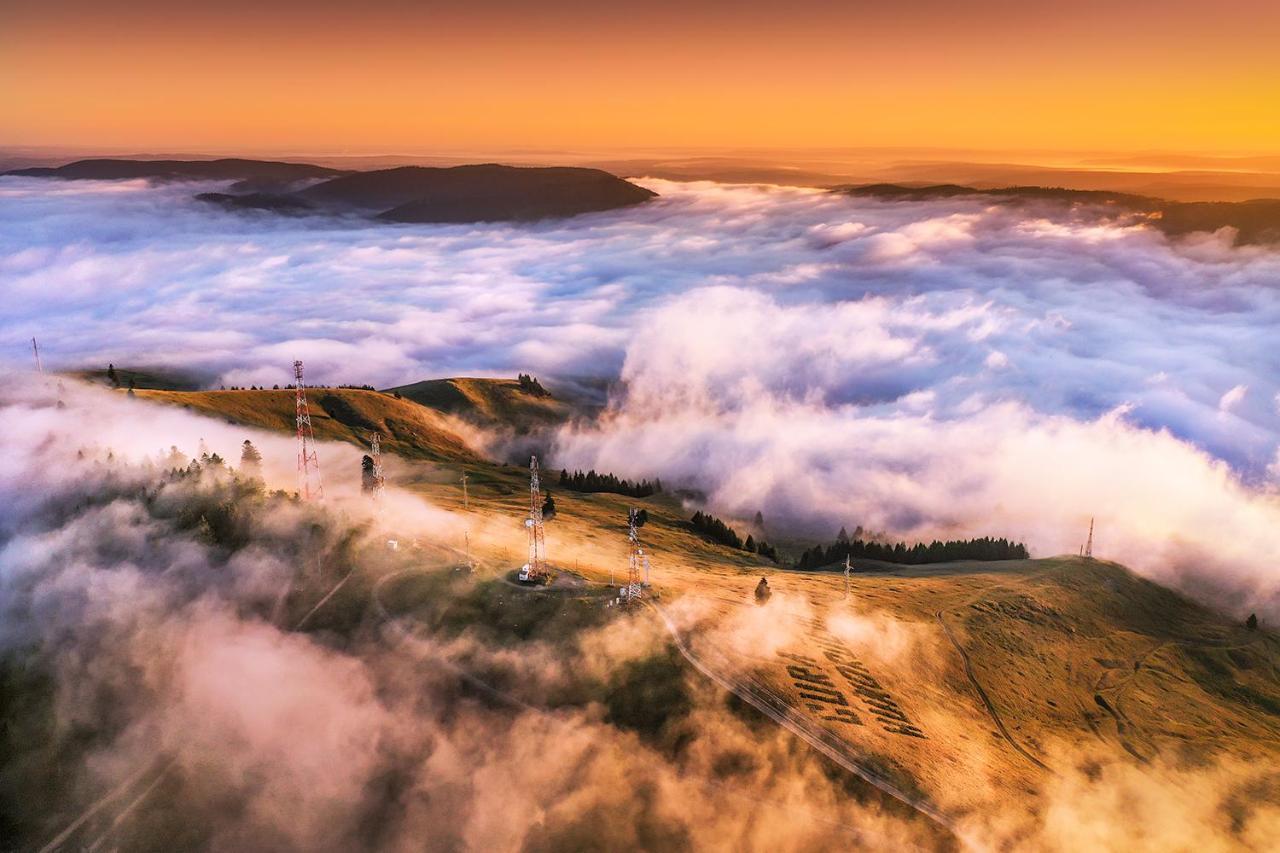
(413, 77)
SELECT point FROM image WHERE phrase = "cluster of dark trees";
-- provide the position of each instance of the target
(717, 531)
(369, 479)
(531, 385)
(593, 482)
(985, 548)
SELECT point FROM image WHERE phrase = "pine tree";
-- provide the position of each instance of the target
(751, 543)
(111, 375)
(250, 459)
(1252, 622)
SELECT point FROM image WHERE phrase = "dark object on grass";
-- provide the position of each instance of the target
(762, 591)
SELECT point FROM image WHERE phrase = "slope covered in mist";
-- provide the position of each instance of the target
(192, 657)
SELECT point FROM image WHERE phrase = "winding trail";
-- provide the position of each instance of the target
(986, 700)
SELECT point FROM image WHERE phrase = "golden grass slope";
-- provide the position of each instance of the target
(337, 414)
(1078, 670)
(1009, 694)
(500, 403)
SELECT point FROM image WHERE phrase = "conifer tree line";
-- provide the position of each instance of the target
(717, 531)
(593, 482)
(531, 385)
(985, 548)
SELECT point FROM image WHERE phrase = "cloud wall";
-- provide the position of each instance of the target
(949, 367)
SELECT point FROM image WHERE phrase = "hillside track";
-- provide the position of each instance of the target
(986, 700)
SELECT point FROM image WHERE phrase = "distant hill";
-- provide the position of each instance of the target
(479, 193)
(337, 414)
(899, 192)
(271, 202)
(489, 402)
(1257, 221)
(231, 169)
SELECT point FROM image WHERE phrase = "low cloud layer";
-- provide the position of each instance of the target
(948, 367)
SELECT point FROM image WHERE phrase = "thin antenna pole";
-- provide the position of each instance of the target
(1088, 546)
(35, 348)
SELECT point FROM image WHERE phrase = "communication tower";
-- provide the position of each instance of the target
(35, 348)
(1088, 545)
(375, 453)
(637, 561)
(535, 570)
(309, 486)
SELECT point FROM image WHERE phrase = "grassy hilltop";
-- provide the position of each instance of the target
(960, 684)
(337, 414)
(492, 403)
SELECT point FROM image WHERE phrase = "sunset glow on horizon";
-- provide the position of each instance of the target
(393, 76)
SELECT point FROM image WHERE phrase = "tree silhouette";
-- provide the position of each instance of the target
(250, 459)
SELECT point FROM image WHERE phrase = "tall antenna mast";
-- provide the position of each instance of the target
(309, 486)
(536, 569)
(35, 348)
(1088, 546)
(635, 561)
(375, 453)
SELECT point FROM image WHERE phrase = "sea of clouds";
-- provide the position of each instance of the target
(939, 368)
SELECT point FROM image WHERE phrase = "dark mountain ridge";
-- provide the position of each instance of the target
(1257, 221)
(486, 192)
(479, 193)
(228, 169)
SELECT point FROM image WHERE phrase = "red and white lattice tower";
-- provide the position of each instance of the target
(637, 562)
(309, 486)
(535, 570)
(375, 453)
